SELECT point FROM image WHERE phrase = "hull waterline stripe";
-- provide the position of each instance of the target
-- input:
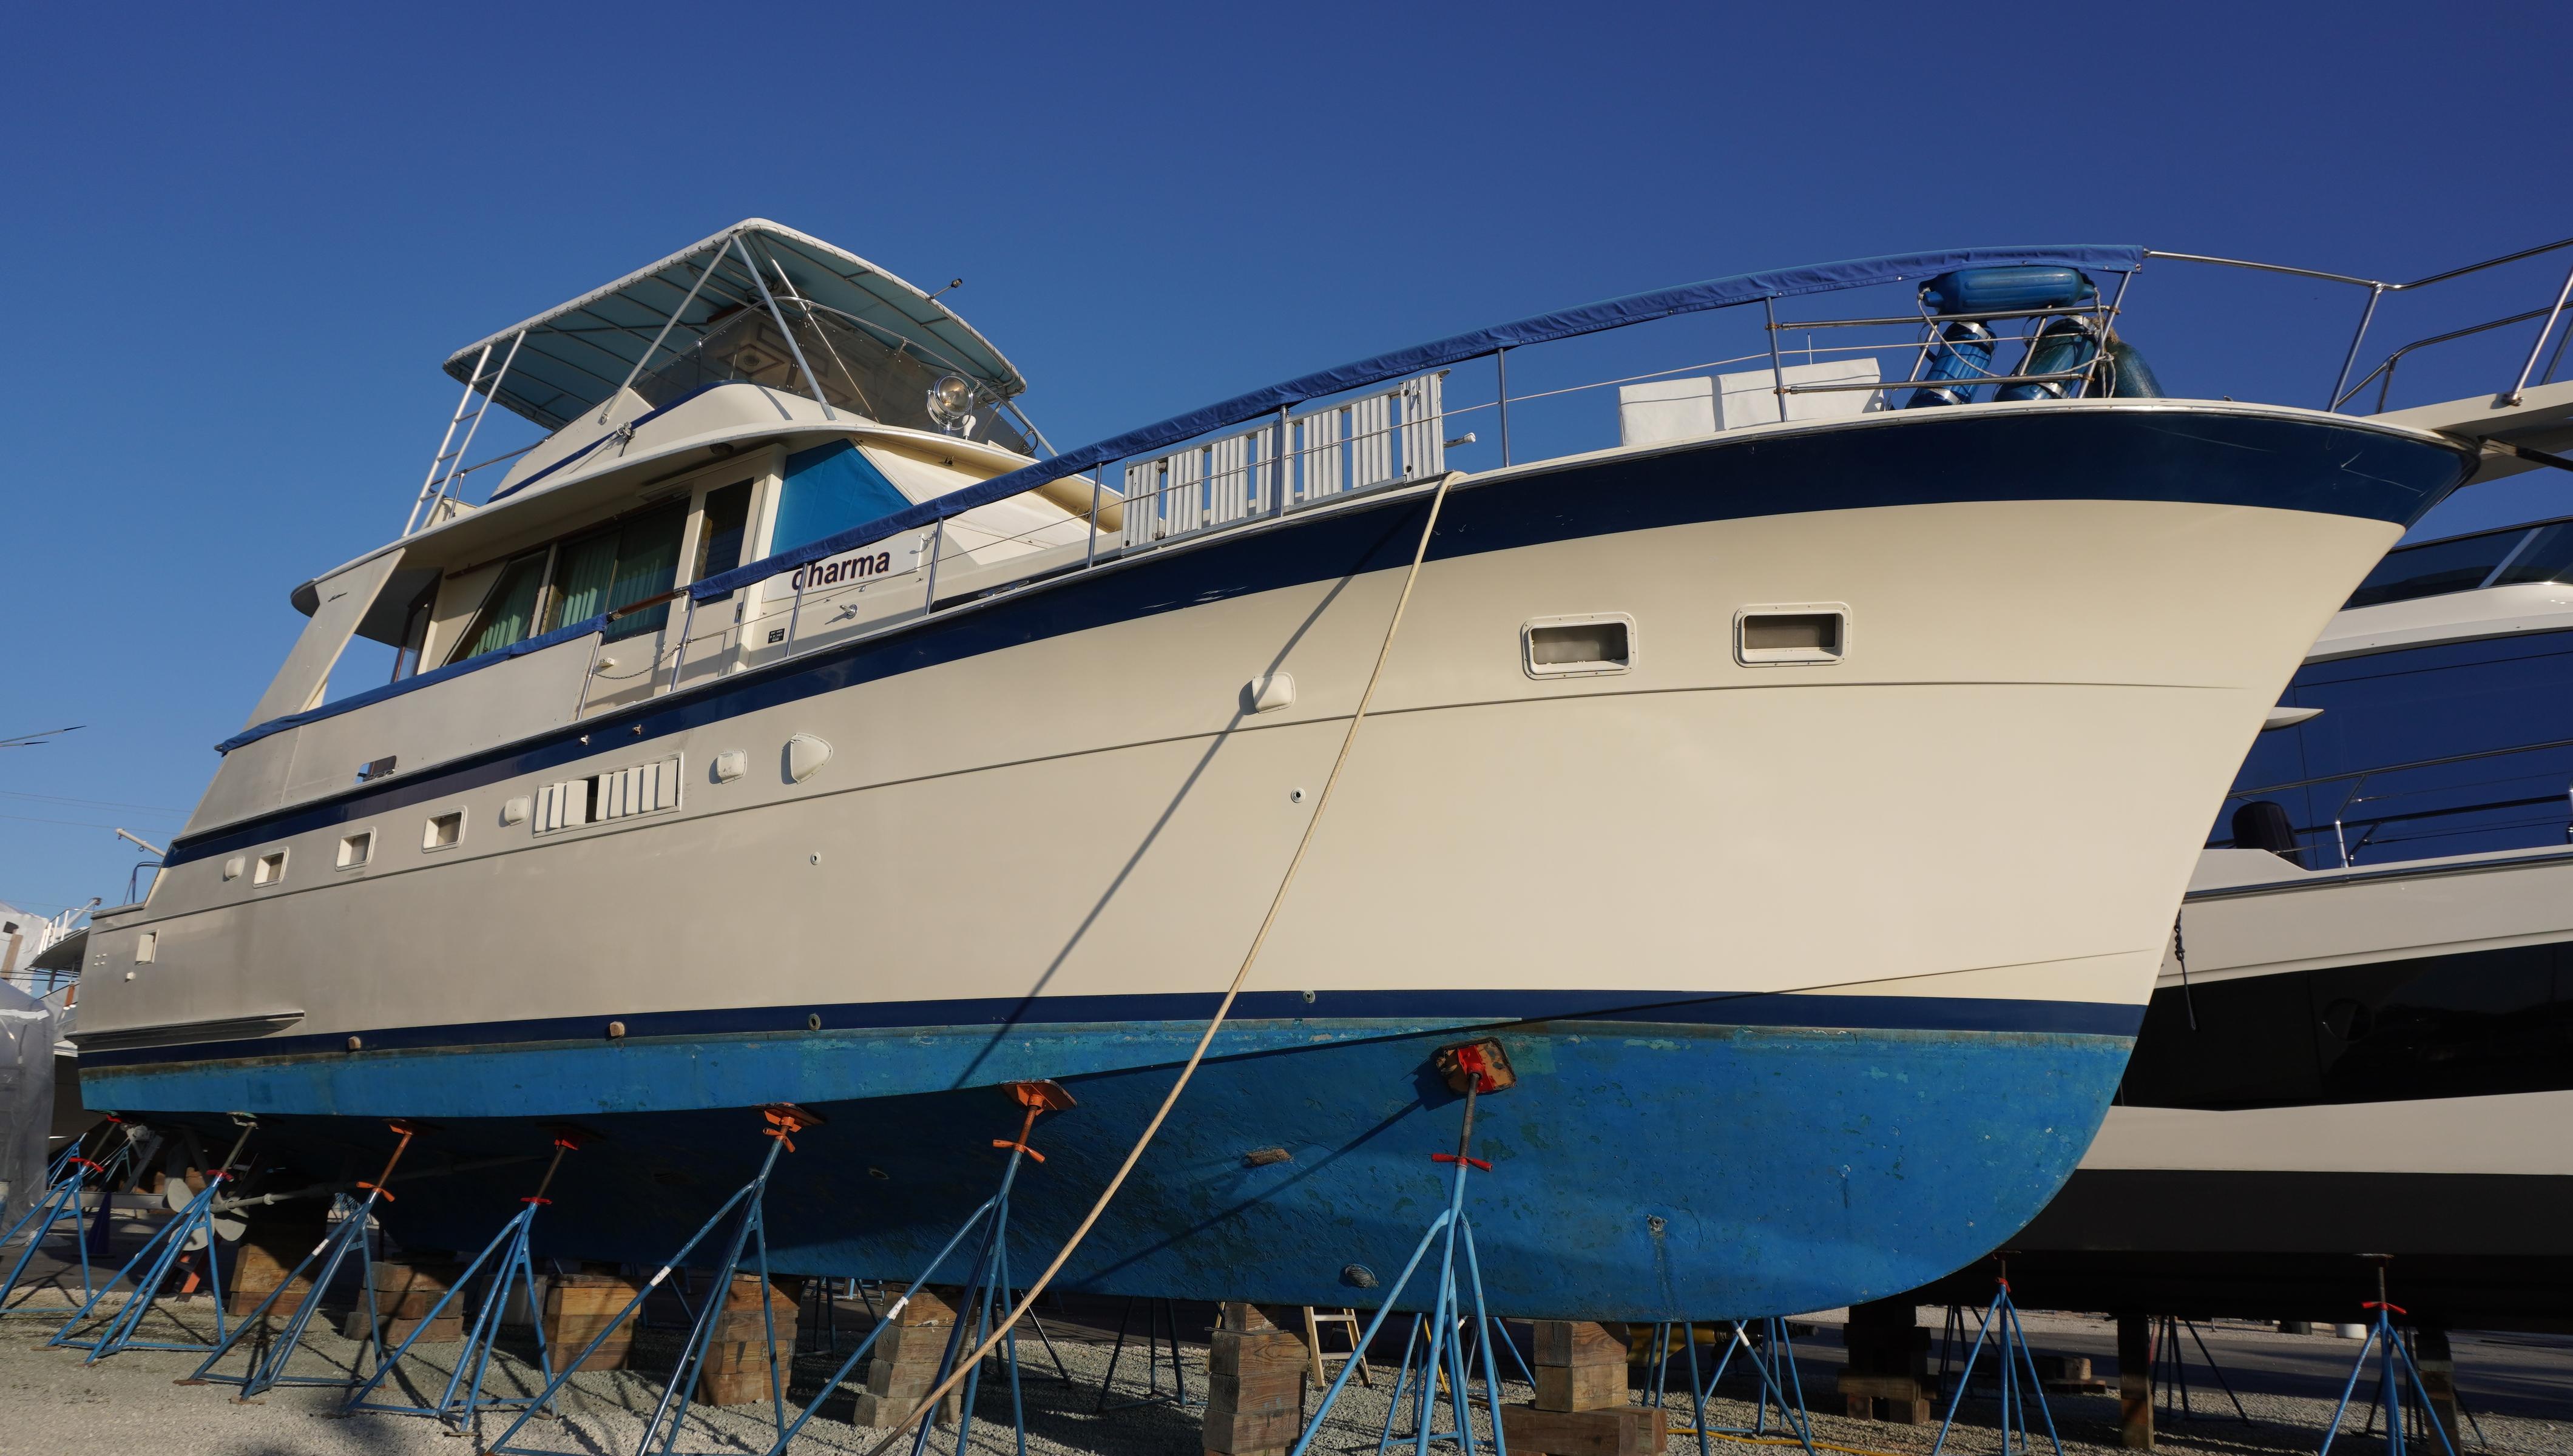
(1399, 1011)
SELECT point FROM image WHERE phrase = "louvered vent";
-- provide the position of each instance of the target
(647, 788)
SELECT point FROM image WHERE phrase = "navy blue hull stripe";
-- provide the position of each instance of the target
(1747, 1009)
(2212, 458)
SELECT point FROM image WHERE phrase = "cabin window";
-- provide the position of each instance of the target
(271, 868)
(357, 849)
(2436, 568)
(2548, 556)
(600, 572)
(442, 830)
(506, 611)
(720, 536)
(828, 489)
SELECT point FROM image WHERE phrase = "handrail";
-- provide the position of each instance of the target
(2397, 768)
(2377, 289)
(2386, 365)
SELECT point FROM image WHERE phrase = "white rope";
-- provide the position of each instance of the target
(1224, 1009)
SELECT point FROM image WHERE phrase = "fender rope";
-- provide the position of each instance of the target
(1224, 1009)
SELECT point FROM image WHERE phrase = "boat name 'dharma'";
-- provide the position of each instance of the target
(844, 568)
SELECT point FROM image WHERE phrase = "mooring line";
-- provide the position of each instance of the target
(1224, 1009)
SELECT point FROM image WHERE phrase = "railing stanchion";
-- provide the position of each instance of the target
(581, 694)
(796, 611)
(1501, 396)
(679, 653)
(1098, 483)
(1777, 366)
(2538, 346)
(2349, 360)
(1285, 459)
(937, 540)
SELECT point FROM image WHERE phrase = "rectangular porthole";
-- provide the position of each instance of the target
(1578, 646)
(271, 868)
(442, 830)
(1791, 633)
(357, 849)
(146, 945)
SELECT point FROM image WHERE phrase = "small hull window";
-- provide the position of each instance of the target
(1789, 633)
(1581, 646)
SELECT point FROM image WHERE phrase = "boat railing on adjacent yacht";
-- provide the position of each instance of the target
(2530, 798)
(2024, 327)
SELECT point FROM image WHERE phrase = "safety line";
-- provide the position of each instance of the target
(929, 1403)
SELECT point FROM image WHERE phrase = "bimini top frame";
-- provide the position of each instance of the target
(576, 356)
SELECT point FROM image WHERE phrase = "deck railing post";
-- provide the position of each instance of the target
(2538, 345)
(1777, 366)
(2375, 292)
(1098, 483)
(937, 540)
(1502, 394)
(680, 653)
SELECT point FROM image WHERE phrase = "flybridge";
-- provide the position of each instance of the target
(757, 302)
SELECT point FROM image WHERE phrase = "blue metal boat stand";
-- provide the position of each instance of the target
(2398, 1380)
(73, 1173)
(513, 1273)
(984, 1299)
(749, 1232)
(1772, 1361)
(1472, 1067)
(1157, 1315)
(2000, 1327)
(159, 1258)
(267, 1365)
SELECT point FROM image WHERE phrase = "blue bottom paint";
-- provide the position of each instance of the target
(1641, 1171)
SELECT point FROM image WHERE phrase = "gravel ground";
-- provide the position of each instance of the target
(51, 1402)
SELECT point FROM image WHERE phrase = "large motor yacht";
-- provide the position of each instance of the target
(794, 724)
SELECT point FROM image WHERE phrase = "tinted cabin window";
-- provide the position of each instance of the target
(2435, 569)
(616, 567)
(2477, 1024)
(2547, 557)
(506, 609)
(727, 518)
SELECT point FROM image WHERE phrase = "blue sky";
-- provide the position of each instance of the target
(242, 245)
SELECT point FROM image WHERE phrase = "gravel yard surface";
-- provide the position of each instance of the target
(2521, 1389)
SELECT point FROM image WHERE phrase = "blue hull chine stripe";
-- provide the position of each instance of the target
(1339, 1008)
(2171, 455)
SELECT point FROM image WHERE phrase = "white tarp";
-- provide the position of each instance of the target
(26, 1100)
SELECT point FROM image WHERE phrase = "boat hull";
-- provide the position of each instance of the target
(1904, 905)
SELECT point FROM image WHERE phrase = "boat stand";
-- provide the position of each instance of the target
(749, 1232)
(513, 1271)
(1158, 1314)
(2169, 1378)
(73, 1173)
(1412, 1342)
(1472, 1067)
(2000, 1327)
(162, 1252)
(1772, 1361)
(987, 1285)
(268, 1367)
(2398, 1380)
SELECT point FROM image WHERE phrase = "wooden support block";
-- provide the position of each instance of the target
(1633, 1430)
(1573, 1342)
(1255, 1356)
(2437, 1362)
(1243, 1433)
(2135, 1381)
(1580, 1388)
(576, 1307)
(448, 1329)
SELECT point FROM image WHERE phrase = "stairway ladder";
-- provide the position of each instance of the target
(1346, 1319)
(449, 463)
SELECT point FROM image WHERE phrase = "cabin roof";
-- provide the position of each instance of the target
(576, 355)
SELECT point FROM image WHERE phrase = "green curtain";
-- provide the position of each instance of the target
(506, 611)
(582, 570)
(648, 561)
